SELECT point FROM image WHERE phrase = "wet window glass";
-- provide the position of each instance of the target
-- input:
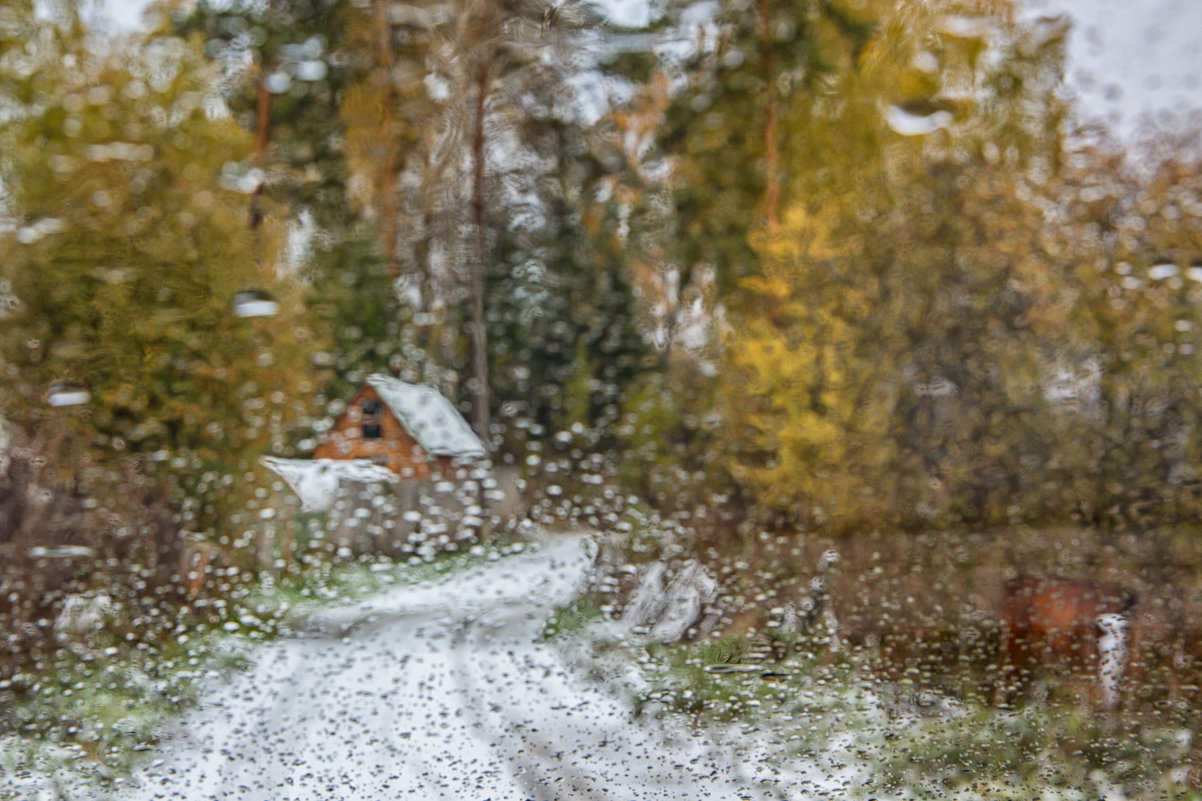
(532, 399)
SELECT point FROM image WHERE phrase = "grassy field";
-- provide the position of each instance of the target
(908, 689)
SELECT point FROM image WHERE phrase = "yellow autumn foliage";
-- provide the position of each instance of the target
(808, 406)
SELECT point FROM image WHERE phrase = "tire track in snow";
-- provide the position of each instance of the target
(441, 690)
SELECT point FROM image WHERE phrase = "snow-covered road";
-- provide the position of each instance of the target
(437, 691)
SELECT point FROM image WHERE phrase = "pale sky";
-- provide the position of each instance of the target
(1126, 57)
(1129, 57)
(125, 15)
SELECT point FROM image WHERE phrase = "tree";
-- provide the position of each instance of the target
(129, 245)
(810, 417)
(299, 76)
(896, 372)
(762, 62)
(1129, 461)
(480, 235)
(562, 312)
(716, 176)
(500, 44)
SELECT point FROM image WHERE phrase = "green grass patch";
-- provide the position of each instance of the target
(92, 710)
(316, 584)
(573, 617)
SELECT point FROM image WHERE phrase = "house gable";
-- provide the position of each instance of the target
(414, 431)
(367, 429)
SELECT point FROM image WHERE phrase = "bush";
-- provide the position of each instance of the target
(69, 528)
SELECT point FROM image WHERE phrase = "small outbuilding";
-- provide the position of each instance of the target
(412, 430)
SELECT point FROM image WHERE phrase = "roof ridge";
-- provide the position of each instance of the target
(463, 442)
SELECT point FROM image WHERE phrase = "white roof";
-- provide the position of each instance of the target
(428, 416)
(315, 481)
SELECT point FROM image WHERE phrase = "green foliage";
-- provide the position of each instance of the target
(292, 45)
(670, 429)
(315, 60)
(357, 307)
(92, 710)
(725, 132)
(127, 251)
(90, 713)
(825, 715)
(564, 321)
(1137, 318)
(574, 617)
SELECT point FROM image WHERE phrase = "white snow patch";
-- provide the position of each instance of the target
(1113, 646)
(627, 13)
(82, 615)
(668, 609)
(315, 481)
(909, 124)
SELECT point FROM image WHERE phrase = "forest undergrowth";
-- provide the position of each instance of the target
(907, 687)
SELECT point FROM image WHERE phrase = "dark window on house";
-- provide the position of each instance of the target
(371, 419)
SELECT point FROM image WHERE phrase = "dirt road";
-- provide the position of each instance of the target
(439, 691)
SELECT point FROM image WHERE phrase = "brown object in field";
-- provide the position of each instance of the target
(196, 565)
(1058, 623)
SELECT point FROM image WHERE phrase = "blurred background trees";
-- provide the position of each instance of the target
(836, 265)
(135, 398)
(128, 241)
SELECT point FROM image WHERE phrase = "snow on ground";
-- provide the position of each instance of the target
(442, 690)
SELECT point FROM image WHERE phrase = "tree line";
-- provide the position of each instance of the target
(829, 265)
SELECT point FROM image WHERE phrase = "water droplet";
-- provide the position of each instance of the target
(255, 303)
(63, 393)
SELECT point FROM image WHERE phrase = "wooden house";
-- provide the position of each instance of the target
(412, 430)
